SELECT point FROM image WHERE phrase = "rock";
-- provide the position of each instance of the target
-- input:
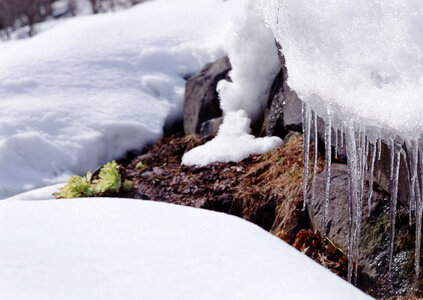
(284, 108)
(273, 124)
(292, 104)
(201, 99)
(211, 127)
(374, 246)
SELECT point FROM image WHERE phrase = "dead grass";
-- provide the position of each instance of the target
(278, 177)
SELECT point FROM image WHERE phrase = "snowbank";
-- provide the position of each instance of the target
(94, 87)
(130, 249)
(254, 59)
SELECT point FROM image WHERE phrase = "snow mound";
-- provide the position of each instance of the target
(94, 87)
(232, 143)
(130, 249)
(362, 59)
(254, 59)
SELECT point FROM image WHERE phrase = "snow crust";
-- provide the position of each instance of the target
(130, 249)
(254, 59)
(232, 143)
(362, 60)
(94, 87)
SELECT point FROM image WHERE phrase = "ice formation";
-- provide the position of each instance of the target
(359, 66)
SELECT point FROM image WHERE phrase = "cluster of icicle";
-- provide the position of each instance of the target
(362, 153)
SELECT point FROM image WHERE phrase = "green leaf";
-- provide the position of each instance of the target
(109, 179)
(76, 187)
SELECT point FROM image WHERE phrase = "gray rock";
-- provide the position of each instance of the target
(283, 111)
(211, 127)
(273, 124)
(201, 99)
(292, 117)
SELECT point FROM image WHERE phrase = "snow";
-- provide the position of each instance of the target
(44, 193)
(253, 54)
(232, 143)
(130, 249)
(361, 59)
(94, 87)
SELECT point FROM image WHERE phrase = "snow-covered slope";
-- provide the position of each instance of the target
(130, 249)
(94, 87)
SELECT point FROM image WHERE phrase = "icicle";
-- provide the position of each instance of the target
(342, 135)
(419, 208)
(306, 133)
(414, 161)
(336, 143)
(379, 147)
(372, 168)
(395, 177)
(362, 156)
(366, 165)
(410, 191)
(328, 160)
(391, 174)
(316, 146)
(353, 185)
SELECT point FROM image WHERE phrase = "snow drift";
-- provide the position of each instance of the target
(94, 87)
(131, 249)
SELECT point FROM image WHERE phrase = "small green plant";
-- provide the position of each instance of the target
(76, 187)
(108, 180)
(140, 165)
(127, 185)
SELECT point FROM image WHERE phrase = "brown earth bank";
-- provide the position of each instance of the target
(263, 189)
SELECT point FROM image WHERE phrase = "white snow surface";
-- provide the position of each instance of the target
(131, 249)
(234, 142)
(94, 87)
(44, 193)
(254, 58)
(362, 60)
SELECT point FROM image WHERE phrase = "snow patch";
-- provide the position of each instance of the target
(232, 143)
